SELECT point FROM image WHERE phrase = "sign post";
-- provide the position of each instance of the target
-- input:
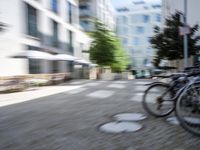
(185, 36)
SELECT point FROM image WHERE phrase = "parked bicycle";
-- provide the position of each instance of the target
(181, 94)
(159, 98)
(188, 107)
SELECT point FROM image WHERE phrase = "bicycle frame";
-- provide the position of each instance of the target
(183, 89)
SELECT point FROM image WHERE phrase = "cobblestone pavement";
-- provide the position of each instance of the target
(70, 121)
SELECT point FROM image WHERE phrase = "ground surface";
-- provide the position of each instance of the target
(70, 121)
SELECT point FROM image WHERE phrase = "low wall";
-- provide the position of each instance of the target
(116, 76)
(36, 77)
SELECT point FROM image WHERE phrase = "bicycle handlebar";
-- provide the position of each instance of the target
(174, 76)
(193, 73)
(177, 75)
(162, 76)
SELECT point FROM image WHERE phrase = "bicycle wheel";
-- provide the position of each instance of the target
(188, 109)
(154, 103)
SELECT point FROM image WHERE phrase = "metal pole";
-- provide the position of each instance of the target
(185, 36)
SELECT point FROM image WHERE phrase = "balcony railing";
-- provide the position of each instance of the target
(84, 13)
(53, 43)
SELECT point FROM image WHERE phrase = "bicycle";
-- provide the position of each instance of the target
(160, 98)
(186, 101)
(187, 107)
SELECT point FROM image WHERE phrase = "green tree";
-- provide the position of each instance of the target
(121, 58)
(106, 50)
(168, 42)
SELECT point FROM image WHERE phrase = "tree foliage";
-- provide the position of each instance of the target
(168, 42)
(121, 59)
(106, 50)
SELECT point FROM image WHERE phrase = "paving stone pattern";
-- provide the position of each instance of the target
(70, 122)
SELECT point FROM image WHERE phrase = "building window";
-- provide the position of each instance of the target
(71, 41)
(125, 30)
(158, 17)
(139, 30)
(34, 66)
(85, 24)
(55, 66)
(70, 66)
(146, 18)
(146, 7)
(55, 34)
(54, 6)
(156, 6)
(70, 12)
(133, 18)
(133, 30)
(84, 7)
(125, 41)
(32, 21)
(120, 20)
(125, 20)
(133, 51)
(124, 9)
(81, 47)
(148, 40)
(145, 62)
(119, 30)
(139, 2)
(136, 41)
(137, 18)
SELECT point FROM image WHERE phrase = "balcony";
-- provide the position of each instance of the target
(85, 13)
(82, 1)
(70, 48)
(54, 45)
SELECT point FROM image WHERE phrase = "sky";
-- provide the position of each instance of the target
(118, 3)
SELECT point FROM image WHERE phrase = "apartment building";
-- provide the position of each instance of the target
(50, 27)
(135, 24)
(96, 9)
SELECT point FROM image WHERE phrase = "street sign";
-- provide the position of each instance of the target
(184, 30)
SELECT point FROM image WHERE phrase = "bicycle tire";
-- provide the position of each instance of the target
(146, 104)
(191, 126)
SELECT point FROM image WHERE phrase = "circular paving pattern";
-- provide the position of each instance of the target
(172, 120)
(120, 127)
(129, 117)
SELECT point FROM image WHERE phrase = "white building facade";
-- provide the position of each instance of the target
(50, 26)
(135, 27)
(96, 9)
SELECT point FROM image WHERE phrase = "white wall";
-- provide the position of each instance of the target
(13, 13)
(10, 40)
(84, 39)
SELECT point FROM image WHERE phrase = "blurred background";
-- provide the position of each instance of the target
(41, 36)
(68, 66)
